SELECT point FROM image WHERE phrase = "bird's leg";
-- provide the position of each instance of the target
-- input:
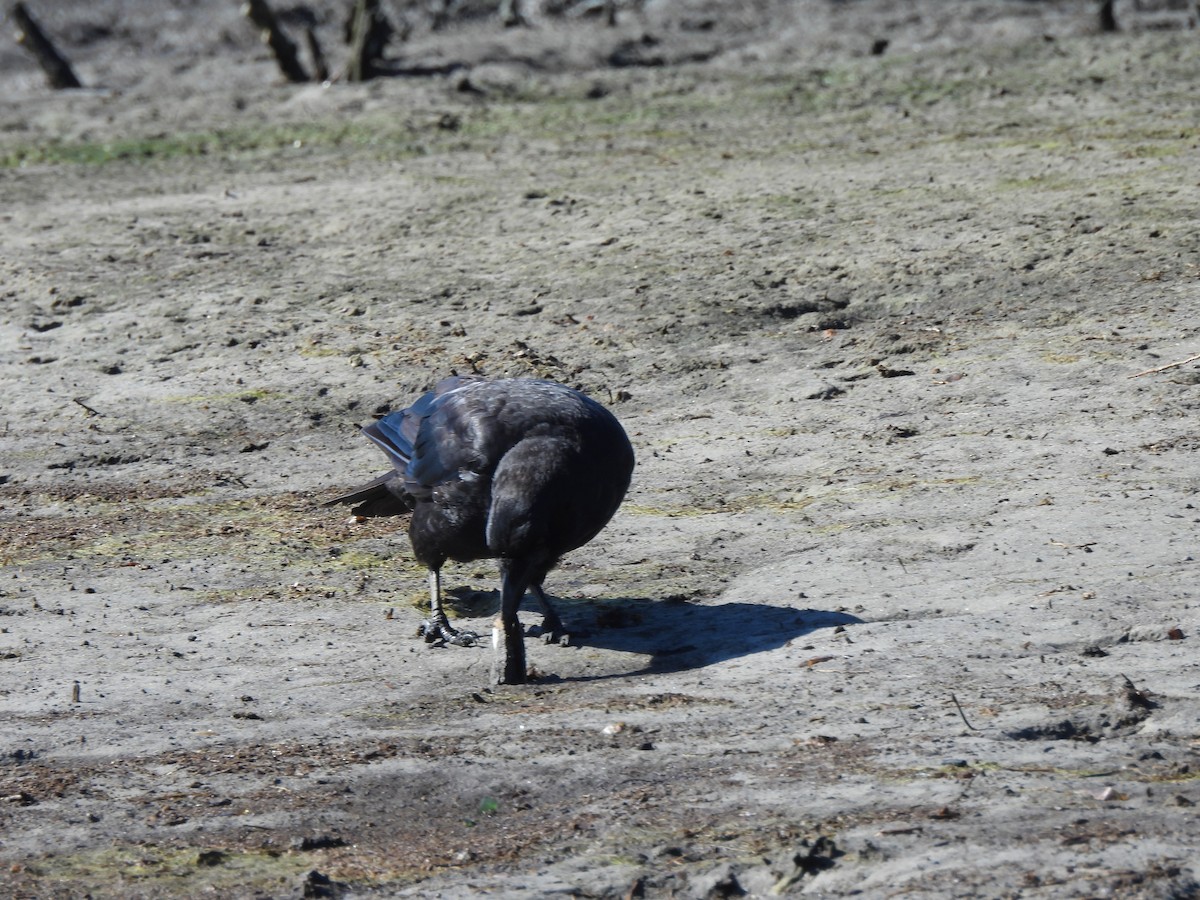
(438, 627)
(552, 630)
(508, 641)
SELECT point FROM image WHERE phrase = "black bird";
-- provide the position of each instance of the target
(517, 469)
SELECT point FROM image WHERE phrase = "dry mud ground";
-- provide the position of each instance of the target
(870, 323)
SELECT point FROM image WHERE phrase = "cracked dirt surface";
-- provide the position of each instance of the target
(901, 602)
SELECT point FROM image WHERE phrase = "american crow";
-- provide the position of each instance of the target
(517, 469)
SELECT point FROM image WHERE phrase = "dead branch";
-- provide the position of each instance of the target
(30, 35)
(1182, 362)
(370, 32)
(320, 68)
(258, 12)
(512, 15)
(1108, 18)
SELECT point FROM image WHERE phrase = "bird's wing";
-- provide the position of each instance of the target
(397, 433)
(451, 437)
(471, 423)
(462, 429)
(387, 434)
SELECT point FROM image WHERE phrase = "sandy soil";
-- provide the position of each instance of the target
(902, 601)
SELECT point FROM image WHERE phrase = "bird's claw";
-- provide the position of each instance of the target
(440, 631)
(553, 633)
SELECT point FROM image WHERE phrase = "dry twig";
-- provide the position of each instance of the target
(1182, 362)
(90, 411)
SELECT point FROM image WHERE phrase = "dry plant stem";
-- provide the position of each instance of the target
(1182, 362)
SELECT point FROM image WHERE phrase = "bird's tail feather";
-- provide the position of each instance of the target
(365, 492)
(374, 498)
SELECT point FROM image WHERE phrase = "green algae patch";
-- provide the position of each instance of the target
(257, 530)
(160, 871)
(375, 136)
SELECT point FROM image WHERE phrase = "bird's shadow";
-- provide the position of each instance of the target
(677, 634)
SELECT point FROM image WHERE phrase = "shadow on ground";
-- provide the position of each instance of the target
(674, 635)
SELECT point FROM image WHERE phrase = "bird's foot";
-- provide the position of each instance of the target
(554, 633)
(439, 630)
